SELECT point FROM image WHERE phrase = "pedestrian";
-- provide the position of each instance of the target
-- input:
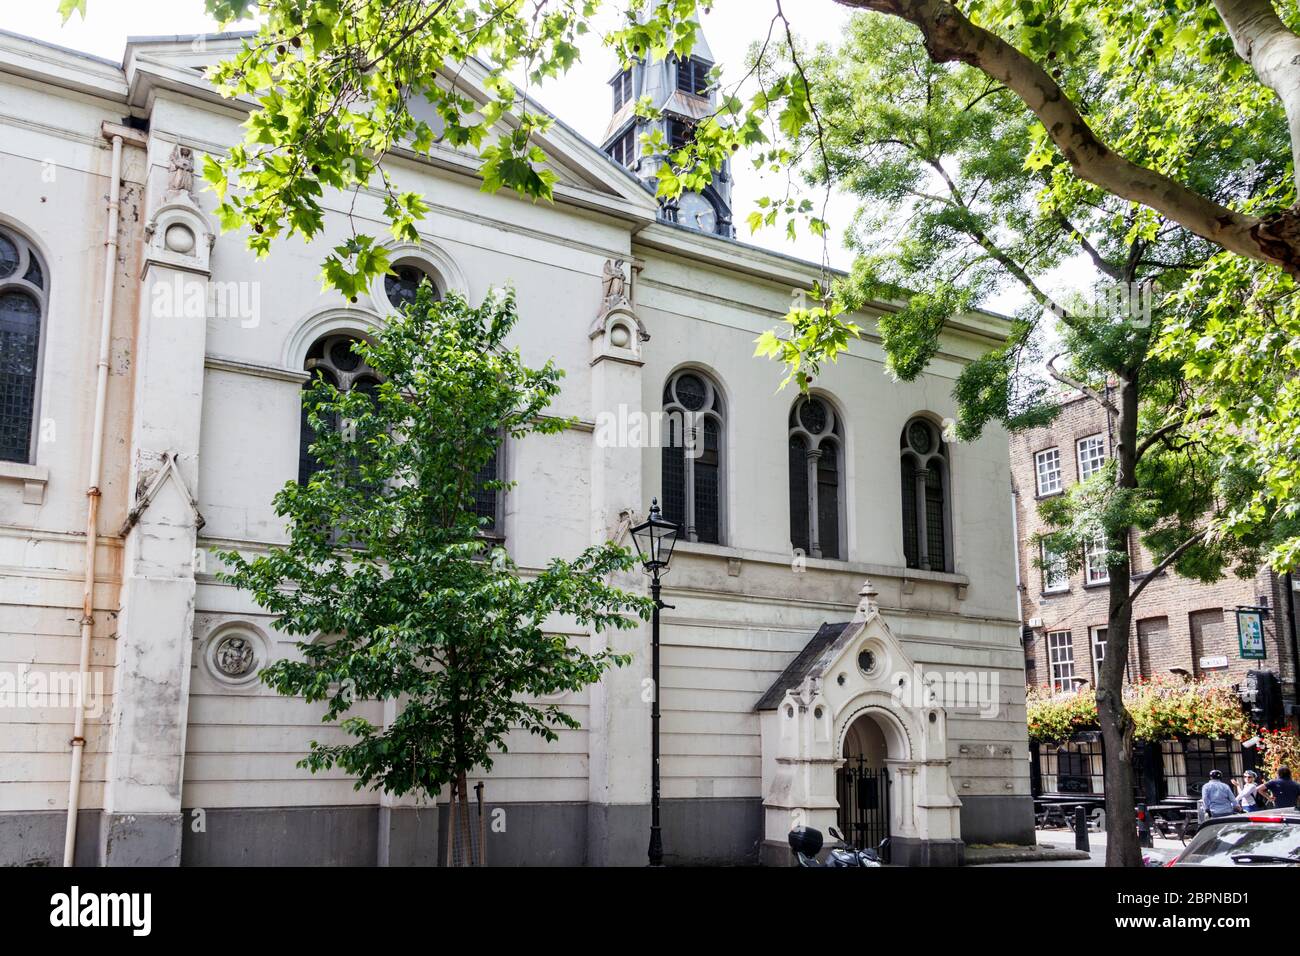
(1216, 796)
(1246, 795)
(1284, 791)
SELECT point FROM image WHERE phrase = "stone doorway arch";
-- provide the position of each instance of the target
(849, 672)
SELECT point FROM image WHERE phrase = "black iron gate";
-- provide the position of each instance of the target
(863, 794)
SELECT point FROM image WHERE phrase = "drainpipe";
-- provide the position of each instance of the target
(1295, 634)
(116, 134)
(1015, 546)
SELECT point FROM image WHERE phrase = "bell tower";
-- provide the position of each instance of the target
(683, 93)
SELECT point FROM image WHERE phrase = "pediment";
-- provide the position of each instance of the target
(835, 654)
(583, 172)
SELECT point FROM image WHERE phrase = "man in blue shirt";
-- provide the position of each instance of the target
(1284, 790)
(1217, 796)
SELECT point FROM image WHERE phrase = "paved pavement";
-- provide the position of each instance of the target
(1164, 849)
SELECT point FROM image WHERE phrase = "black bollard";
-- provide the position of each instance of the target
(1081, 828)
(1144, 826)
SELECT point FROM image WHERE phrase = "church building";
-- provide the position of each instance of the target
(842, 647)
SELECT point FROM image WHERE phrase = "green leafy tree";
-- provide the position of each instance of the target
(957, 202)
(389, 581)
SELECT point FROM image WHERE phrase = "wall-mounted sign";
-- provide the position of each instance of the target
(1250, 634)
(1213, 663)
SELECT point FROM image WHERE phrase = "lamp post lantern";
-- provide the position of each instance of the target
(654, 539)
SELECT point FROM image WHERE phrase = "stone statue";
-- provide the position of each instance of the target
(180, 178)
(615, 285)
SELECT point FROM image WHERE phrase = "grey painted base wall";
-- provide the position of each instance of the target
(998, 819)
(36, 838)
(702, 832)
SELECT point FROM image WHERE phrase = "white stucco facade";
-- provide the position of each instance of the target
(185, 764)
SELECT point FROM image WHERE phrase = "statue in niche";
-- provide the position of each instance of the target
(180, 177)
(615, 285)
(234, 656)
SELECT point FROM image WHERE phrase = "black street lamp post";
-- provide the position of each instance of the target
(654, 541)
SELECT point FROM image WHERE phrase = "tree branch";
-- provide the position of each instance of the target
(1088, 390)
(1164, 430)
(1160, 568)
(951, 37)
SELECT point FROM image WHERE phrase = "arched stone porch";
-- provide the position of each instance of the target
(847, 673)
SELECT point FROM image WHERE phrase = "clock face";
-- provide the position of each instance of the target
(697, 212)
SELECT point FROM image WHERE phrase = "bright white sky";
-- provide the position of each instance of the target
(581, 98)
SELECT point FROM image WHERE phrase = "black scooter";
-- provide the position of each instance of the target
(806, 843)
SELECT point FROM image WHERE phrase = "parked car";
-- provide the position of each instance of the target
(1259, 838)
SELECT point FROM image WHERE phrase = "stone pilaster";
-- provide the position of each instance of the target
(141, 823)
(618, 825)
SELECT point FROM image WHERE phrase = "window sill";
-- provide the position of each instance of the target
(33, 479)
(1058, 592)
(1097, 584)
(737, 555)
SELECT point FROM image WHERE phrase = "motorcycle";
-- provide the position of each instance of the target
(806, 843)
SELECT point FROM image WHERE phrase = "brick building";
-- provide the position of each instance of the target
(1181, 627)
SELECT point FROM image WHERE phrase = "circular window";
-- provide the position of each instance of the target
(401, 284)
(814, 416)
(866, 662)
(920, 437)
(692, 392)
(342, 356)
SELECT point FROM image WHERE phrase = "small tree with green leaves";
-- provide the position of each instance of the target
(389, 581)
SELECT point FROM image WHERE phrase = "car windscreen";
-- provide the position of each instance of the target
(1217, 845)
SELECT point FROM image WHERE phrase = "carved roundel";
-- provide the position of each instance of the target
(235, 654)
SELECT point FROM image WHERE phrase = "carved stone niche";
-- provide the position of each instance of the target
(617, 333)
(180, 234)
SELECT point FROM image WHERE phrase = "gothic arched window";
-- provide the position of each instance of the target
(333, 360)
(816, 478)
(24, 293)
(927, 491)
(693, 474)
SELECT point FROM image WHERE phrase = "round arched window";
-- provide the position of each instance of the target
(926, 492)
(23, 297)
(816, 479)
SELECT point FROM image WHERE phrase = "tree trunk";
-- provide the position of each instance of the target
(1116, 725)
(467, 854)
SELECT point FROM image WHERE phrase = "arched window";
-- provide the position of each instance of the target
(24, 292)
(927, 537)
(816, 478)
(693, 456)
(333, 360)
